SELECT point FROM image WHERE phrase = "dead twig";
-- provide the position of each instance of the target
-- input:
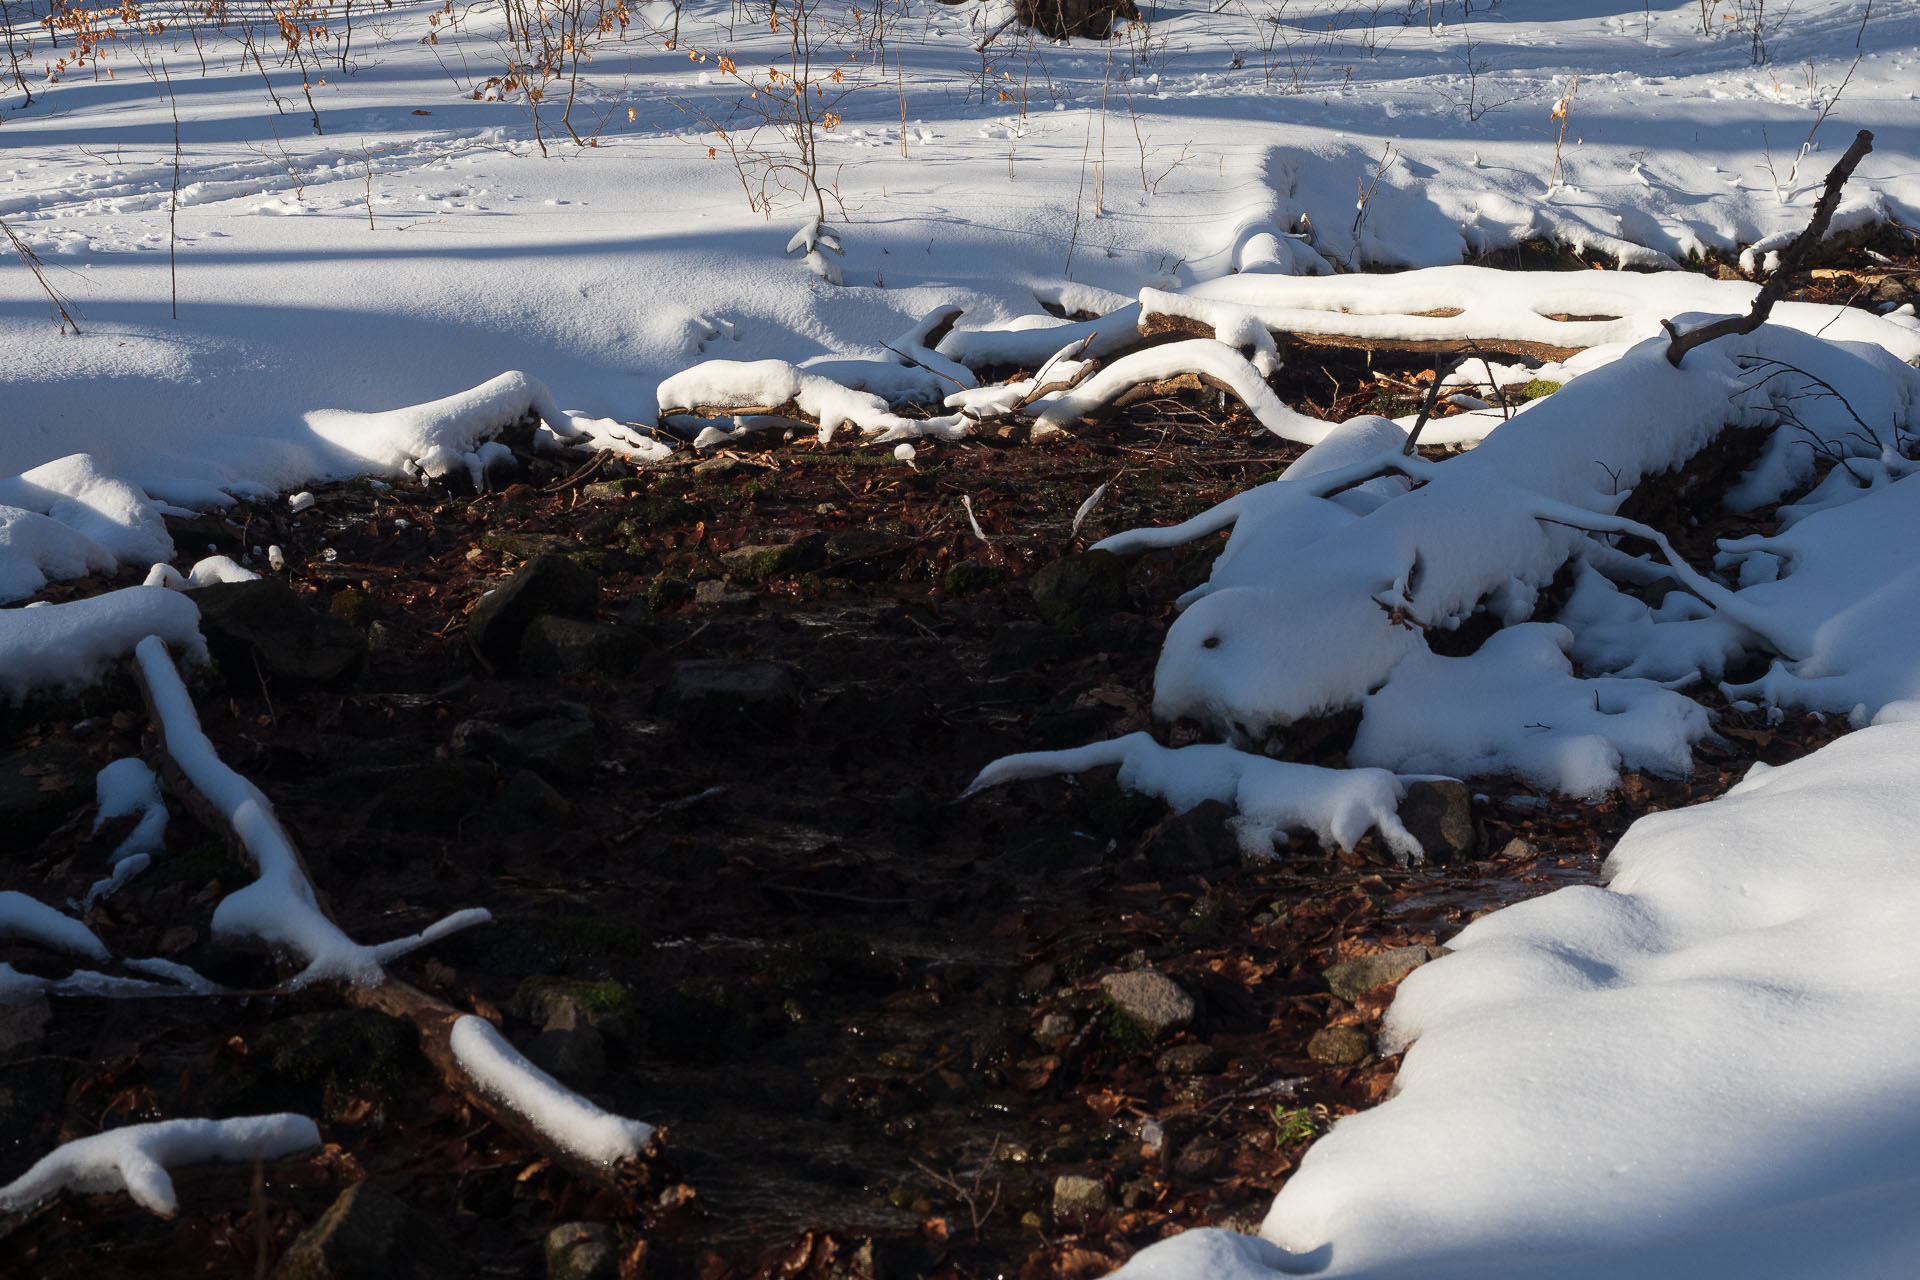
(1792, 260)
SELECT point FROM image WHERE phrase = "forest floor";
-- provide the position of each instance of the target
(868, 1013)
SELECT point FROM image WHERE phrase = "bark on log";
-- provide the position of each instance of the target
(1154, 325)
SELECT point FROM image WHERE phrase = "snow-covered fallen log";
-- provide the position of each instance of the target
(1545, 313)
(136, 1158)
(572, 1123)
(1705, 1068)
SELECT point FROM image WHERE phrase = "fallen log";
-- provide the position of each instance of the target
(1159, 322)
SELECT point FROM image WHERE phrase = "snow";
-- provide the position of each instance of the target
(124, 789)
(435, 266)
(1708, 1062)
(1272, 797)
(24, 917)
(574, 1124)
(55, 647)
(136, 1158)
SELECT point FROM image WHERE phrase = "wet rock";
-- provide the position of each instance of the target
(543, 586)
(369, 1235)
(581, 1251)
(1439, 814)
(667, 592)
(1149, 1004)
(718, 698)
(1194, 841)
(574, 646)
(1339, 1046)
(40, 788)
(1185, 1060)
(434, 799)
(1072, 588)
(1077, 1198)
(1053, 1032)
(1351, 979)
(614, 490)
(858, 1265)
(203, 534)
(262, 629)
(558, 740)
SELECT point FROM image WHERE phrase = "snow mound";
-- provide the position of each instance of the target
(1515, 706)
(58, 647)
(1713, 1057)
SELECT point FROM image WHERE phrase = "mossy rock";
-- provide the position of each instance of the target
(1539, 387)
(970, 576)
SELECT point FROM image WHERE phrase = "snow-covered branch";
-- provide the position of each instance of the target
(135, 1159)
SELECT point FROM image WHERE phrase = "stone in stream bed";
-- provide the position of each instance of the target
(1077, 1198)
(1148, 1004)
(581, 1251)
(1351, 979)
(1339, 1046)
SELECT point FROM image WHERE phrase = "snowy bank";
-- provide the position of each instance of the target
(1705, 1067)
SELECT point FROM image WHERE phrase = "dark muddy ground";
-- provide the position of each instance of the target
(866, 1011)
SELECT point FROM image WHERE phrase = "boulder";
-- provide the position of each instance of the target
(545, 585)
(262, 629)
(1439, 814)
(574, 646)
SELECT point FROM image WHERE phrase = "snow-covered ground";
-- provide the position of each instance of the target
(369, 257)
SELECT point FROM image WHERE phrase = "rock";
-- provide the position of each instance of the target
(1152, 1005)
(434, 799)
(576, 1056)
(1054, 1031)
(533, 798)
(720, 698)
(1077, 1198)
(521, 545)
(1201, 1158)
(969, 576)
(40, 788)
(1194, 841)
(1070, 589)
(719, 593)
(1339, 1046)
(23, 1028)
(759, 561)
(543, 586)
(553, 1003)
(581, 1251)
(262, 628)
(558, 740)
(370, 1235)
(573, 646)
(669, 593)
(1351, 979)
(317, 1062)
(1439, 814)
(1190, 1060)
(614, 490)
(1518, 849)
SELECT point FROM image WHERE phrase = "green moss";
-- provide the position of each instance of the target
(1539, 387)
